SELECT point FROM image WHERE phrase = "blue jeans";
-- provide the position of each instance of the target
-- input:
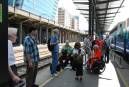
(54, 62)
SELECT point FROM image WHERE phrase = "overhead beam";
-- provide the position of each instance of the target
(101, 14)
(83, 3)
(107, 13)
(97, 2)
(84, 14)
(105, 22)
(102, 19)
(83, 9)
(120, 6)
(103, 2)
(102, 9)
(106, 17)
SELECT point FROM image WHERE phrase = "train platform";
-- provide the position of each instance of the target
(124, 73)
(66, 77)
(113, 76)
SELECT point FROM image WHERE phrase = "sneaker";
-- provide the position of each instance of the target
(55, 75)
(52, 75)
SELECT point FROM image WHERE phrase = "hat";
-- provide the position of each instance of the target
(55, 30)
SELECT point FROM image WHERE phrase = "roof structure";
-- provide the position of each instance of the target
(99, 13)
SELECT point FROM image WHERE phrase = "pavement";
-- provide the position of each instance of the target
(123, 73)
(66, 79)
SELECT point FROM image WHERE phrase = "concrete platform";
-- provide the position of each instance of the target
(66, 79)
(124, 75)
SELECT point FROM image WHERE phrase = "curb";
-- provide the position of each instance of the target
(122, 78)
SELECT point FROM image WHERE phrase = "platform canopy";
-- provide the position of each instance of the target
(99, 13)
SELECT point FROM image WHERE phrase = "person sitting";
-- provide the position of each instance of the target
(67, 49)
(62, 59)
(96, 55)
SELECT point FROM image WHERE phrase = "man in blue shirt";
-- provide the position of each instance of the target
(31, 54)
(54, 41)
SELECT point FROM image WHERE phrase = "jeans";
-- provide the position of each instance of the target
(54, 62)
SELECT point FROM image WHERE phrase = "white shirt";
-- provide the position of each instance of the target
(87, 43)
(11, 57)
(76, 51)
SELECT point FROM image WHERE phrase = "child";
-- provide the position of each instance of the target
(78, 53)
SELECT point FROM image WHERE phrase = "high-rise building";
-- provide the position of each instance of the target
(61, 16)
(75, 23)
(64, 18)
(43, 8)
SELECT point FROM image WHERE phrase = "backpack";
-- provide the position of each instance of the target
(50, 47)
(78, 58)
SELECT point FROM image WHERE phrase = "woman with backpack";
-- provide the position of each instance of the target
(77, 55)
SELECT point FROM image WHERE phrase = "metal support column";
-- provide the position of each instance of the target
(92, 22)
(40, 34)
(68, 36)
(90, 17)
(63, 36)
(47, 33)
(20, 33)
(60, 36)
(93, 17)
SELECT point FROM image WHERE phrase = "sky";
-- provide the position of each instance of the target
(83, 23)
(71, 8)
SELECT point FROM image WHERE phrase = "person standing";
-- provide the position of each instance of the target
(107, 50)
(12, 32)
(87, 46)
(31, 54)
(78, 54)
(55, 51)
